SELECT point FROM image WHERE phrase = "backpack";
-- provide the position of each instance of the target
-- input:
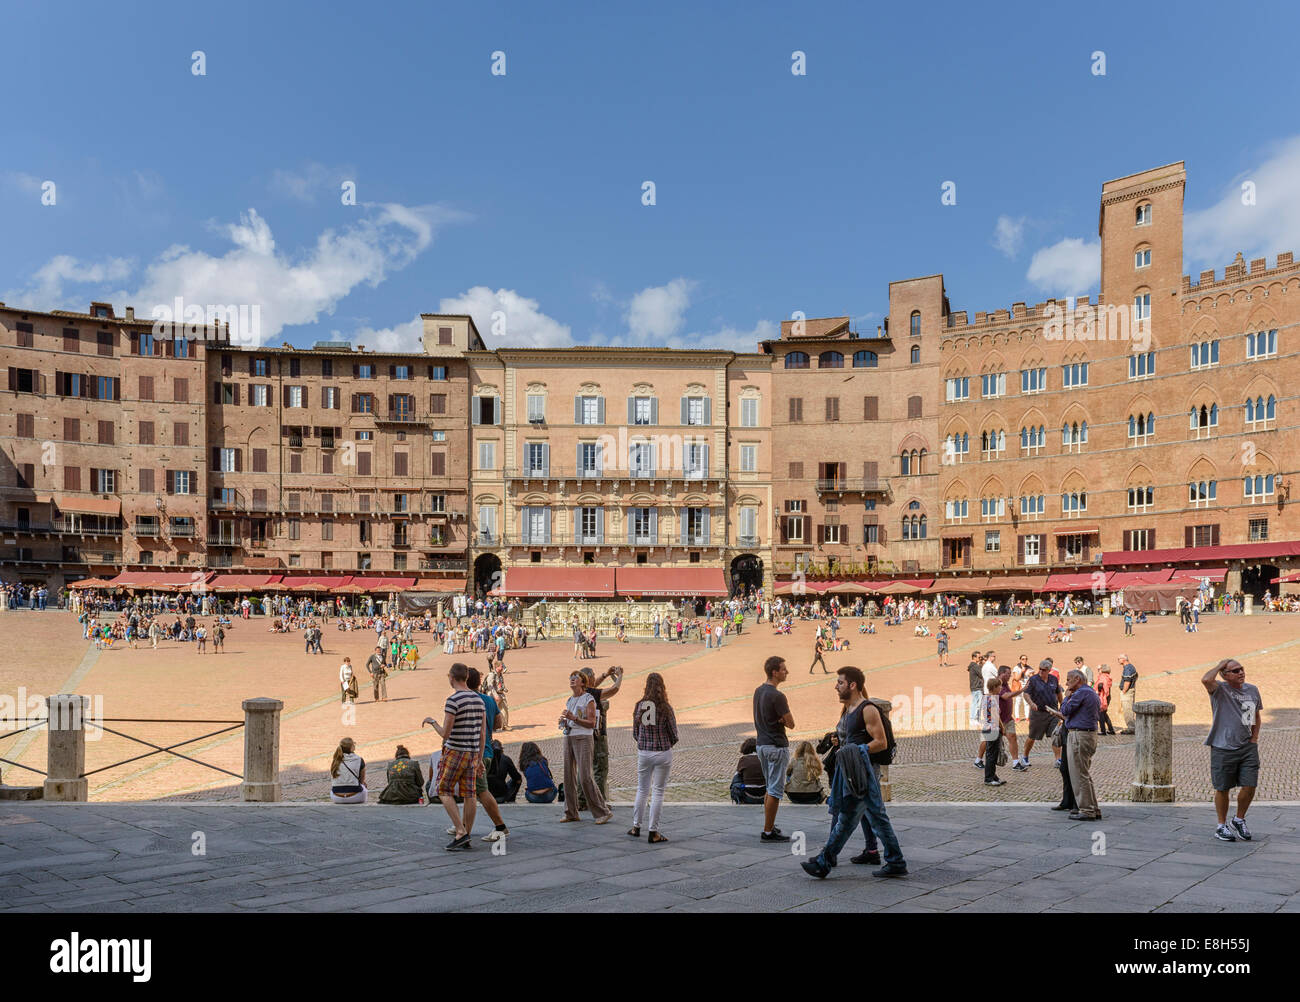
(885, 757)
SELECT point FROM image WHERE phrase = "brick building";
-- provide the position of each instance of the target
(1039, 446)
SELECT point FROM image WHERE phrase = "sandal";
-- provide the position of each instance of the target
(635, 831)
(656, 837)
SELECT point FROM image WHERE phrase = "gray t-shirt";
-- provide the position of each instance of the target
(1235, 712)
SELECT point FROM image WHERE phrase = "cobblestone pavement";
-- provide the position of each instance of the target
(319, 858)
(710, 689)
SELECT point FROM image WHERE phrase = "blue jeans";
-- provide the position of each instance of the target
(543, 798)
(849, 811)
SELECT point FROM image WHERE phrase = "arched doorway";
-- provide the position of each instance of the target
(746, 573)
(1257, 580)
(487, 574)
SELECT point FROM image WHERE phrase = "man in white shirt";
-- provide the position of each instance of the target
(989, 670)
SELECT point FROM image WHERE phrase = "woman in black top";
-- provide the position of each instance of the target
(503, 778)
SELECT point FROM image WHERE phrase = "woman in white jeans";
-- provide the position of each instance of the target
(347, 775)
(654, 726)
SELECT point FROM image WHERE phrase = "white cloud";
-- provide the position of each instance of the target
(291, 288)
(1069, 266)
(27, 183)
(403, 337)
(526, 326)
(657, 313)
(1009, 234)
(311, 181)
(45, 290)
(1213, 235)
(730, 338)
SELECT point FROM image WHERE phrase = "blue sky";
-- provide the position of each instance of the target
(522, 194)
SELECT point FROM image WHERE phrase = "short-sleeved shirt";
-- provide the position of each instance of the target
(1131, 674)
(751, 770)
(467, 728)
(1042, 693)
(577, 705)
(599, 696)
(490, 712)
(1234, 714)
(770, 705)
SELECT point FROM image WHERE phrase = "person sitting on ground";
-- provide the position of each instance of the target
(502, 777)
(347, 775)
(748, 786)
(405, 782)
(539, 784)
(803, 776)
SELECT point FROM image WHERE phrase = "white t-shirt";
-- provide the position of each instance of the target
(990, 670)
(350, 770)
(345, 673)
(577, 705)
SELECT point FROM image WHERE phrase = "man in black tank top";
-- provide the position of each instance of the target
(861, 732)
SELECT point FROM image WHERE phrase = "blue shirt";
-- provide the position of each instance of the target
(490, 712)
(538, 777)
(1042, 692)
(1081, 709)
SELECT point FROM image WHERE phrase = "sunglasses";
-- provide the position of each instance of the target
(1234, 671)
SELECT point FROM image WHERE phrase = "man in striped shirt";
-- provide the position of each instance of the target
(462, 733)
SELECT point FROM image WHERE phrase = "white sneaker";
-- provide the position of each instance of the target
(451, 831)
(495, 835)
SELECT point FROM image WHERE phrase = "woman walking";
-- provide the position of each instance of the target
(348, 681)
(654, 728)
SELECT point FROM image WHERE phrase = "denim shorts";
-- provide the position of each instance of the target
(774, 762)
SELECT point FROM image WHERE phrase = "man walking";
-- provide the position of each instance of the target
(1006, 704)
(1128, 681)
(1043, 693)
(462, 753)
(855, 790)
(379, 675)
(1078, 715)
(491, 719)
(772, 718)
(1234, 744)
(819, 645)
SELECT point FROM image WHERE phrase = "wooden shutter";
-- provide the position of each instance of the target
(438, 464)
(546, 461)
(259, 460)
(1214, 534)
(239, 460)
(306, 393)
(600, 525)
(236, 394)
(870, 408)
(686, 410)
(146, 482)
(216, 458)
(1189, 536)
(284, 393)
(363, 464)
(796, 471)
(72, 478)
(631, 410)
(870, 471)
(1151, 538)
(399, 464)
(1128, 539)
(1020, 550)
(216, 393)
(708, 410)
(171, 482)
(600, 410)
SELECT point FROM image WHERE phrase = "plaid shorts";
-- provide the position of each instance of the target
(456, 772)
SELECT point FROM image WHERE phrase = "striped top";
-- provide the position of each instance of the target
(466, 732)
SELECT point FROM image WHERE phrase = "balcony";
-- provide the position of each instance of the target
(84, 527)
(636, 474)
(663, 538)
(443, 565)
(147, 531)
(853, 485)
(398, 417)
(747, 541)
(182, 531)
(235, 503)
(26, 527)
(223, 539)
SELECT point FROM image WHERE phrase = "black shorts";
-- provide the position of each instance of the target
(1040, 725)
(1233, 767)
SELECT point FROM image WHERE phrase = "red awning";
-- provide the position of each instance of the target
(315, 583)
(1215, 574)
(671, 582)
(439, 584)
(1126, 579)
(958, 586)
(159, 579)
(586, 581)
(383, 584)
(1077, 530)
(1286, 578)
(241, 582)
(1075, 581)
(1237, 551)
(89, 506)
(1029, 583)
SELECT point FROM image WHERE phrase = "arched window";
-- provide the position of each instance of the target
(1143, 215)
(922, 535)
(796, 360)
(907, 527)
(865, 359)
(919, 462)
(830, 360)
(916, 323)
(1271, 409)
(1250, 410)
(905, 464)
(916, 353)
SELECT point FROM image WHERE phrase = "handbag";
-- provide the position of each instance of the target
(354, 688)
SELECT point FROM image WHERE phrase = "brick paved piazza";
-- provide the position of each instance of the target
(710, 690)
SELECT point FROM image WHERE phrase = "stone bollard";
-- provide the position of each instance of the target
(66, 752)
(1153, 772)
(261, 751)
(882, 771)
(979, 608)
(1249, 607)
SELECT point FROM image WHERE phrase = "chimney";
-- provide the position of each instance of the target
(130, 313)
